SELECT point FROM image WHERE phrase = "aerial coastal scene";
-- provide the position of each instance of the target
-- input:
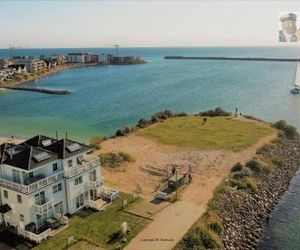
(152, 125)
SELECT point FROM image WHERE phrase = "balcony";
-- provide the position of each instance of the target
(34, 186)
(40, 209)
(82, 167)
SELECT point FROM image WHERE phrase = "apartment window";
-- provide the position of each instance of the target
(19, 198)
(79, 201)
(30, 175)
(92, 175)
(5, 193)
(16, 176)
(54, 167)
(22, 217)
(78, 180)
(70, 163)
(40, 198)
(57, 188)
(58, 208)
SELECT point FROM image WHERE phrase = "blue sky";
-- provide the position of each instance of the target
(140, 23)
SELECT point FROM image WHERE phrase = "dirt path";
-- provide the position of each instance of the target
(209, 169)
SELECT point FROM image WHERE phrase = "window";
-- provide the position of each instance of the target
(16, 176)
(58, 208)
(79, 201)
(92, 175)
(5, 193)
(22, 217)
(40, 198)
(78, 180)
(30, 175)
(70, 163)
(57, 188)
(19, 198)
(54, 167)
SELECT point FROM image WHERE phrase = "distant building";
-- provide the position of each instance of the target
(82, 58)
(32, 64)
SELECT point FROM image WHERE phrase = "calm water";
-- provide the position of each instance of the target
(106, 98)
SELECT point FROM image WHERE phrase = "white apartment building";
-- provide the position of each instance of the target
(32, 64)
(43, 179)
(82, 58)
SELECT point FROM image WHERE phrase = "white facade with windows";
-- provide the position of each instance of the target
(43, 179)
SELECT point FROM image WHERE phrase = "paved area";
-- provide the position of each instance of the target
(148, 208)
(168, 227)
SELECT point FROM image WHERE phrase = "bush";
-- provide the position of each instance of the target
(142, 123)
(237, 167)
(200, 235)
(280, 124)
(254, 165)
(289, 131)
(114, 159)
(263, 149)
(217, 112)
(214, 223)
(181, 114)
(162, 115)
(276, 160)
(243, 173)
(239, 184)
(251, 184)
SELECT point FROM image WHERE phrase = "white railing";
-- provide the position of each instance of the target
(95, 205)
(34, 186)
(35, 237)
(109, 193)
(40, 209)
(79, 168)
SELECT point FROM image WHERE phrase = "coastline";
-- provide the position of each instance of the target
(51, 71)
(237, 213)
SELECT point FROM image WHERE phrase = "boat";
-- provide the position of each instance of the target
(296, 86)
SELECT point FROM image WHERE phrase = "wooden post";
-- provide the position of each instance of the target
(176, 184)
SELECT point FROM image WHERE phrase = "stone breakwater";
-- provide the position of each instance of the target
(243, 214)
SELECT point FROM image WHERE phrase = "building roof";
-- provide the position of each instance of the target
(38, 151)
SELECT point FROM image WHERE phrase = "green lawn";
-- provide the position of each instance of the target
(217, 133)
(97, 228)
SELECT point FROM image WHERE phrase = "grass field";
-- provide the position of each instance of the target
(217, 133)
(97, 229)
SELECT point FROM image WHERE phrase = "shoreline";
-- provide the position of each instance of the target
(51, 71)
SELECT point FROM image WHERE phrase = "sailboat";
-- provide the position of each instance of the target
(296, 86)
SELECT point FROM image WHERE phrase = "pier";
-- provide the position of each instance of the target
(221, 58)
(42, 90)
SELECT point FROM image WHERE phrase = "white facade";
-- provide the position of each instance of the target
(59, 187)
(82, 58)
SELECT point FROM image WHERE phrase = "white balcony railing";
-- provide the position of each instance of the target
(34, 186)
(35, 237)
(79, 168)
(40, 209)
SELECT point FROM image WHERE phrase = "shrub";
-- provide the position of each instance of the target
(181, 114)
(251, 184)
(263, 149)
(289, 131)
(217, 112)
(276, 160)
(254, 165)
(239, 184)
(237, 167)
(280, 124)
(162, 115)
(120, 133)
(114, 159)
(142, 123)
(214, 223)
(200, 235)
(243, 173)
